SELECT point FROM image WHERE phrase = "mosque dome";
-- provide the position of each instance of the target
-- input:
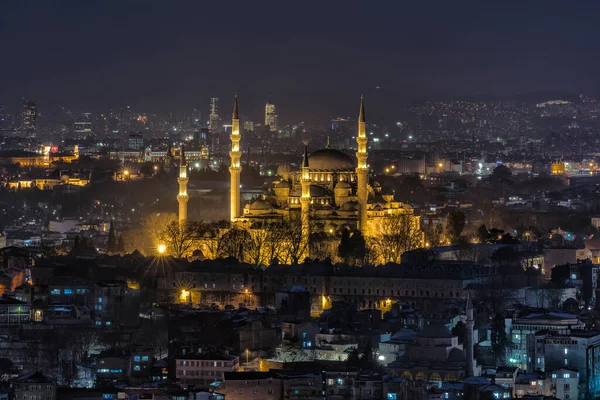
(262, 205)
(330, 159)
(457, 355)
(342, 185)
(284, 185)
(435, 331)
(349, 206)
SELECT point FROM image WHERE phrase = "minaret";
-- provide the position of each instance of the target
(182, 197)
(235, 169)
(362, 169)
(305, 201)
(470, 324)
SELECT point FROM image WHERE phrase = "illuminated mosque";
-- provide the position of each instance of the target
(331, 192)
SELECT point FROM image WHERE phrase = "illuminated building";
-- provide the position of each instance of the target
(331, 192)
(362, 169)
(182, 197)
(270, 117)
(82, 126)
(29, 116)
(214, 120)
(235, 168)
(135, 141)
(249, 126)
(558, 168)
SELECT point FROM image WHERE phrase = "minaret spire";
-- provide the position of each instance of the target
(305, 157)
(362, 169)
(361, 114)
(305, 201)
(235, 169)
(235, 108)
(182, 197)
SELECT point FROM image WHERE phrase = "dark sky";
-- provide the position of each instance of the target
(312, 58)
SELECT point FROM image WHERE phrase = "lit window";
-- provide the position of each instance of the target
(553, 376)
(81, 291)
(137, 358)
(136, 368)
(340, 381)
(566, 351)
(68, 291)
(567, 376)
(100, 299)
(144, 358)
(107, 322)
(566, 361)
(55, 291)
(214, 286)
(98, 323)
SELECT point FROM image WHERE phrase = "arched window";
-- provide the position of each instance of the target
(407, 375)
(435, 377)
(420, 376)
(450, 378)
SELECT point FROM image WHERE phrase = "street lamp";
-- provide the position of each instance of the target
(184, 295)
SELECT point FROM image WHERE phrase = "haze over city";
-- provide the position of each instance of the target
(312, 57)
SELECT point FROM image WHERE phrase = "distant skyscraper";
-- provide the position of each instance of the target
(135, 141)
(271, 116)
(214, 120)
(82, 126)
(249, 126)
(29, 117)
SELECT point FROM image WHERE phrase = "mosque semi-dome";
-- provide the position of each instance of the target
(350, 206)
(261, 204)
(284, 185)
(342, 185)
(331, 159)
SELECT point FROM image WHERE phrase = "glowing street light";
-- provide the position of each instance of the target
(184, 295)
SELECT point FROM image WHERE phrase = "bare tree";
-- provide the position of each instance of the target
(275, 241)
(235, 243)
(455, 224)
(294, 245)
(179, 238)
(257, 242)
(149, 234)
(396, 234)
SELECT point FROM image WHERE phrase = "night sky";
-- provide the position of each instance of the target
(313, 58)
